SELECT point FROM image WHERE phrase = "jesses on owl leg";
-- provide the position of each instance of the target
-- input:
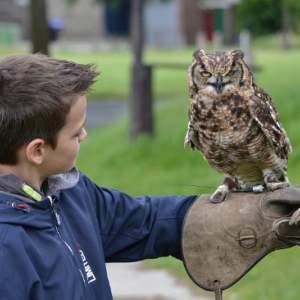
(271, 181)
(229, 184)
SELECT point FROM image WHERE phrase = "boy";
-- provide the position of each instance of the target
(57, 227)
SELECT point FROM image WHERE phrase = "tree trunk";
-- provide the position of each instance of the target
(141, 101)
(137, 30)
(39, 26)
(286, 27)
(141, 117)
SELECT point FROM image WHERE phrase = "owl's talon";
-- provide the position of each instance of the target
(273, 186)
(220, 194)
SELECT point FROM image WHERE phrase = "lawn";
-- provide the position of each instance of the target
(115, 69)
(161, 166)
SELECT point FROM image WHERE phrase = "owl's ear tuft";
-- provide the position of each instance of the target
(199, 54)
(237, 54)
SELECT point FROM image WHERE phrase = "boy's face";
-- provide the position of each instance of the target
(63, 157)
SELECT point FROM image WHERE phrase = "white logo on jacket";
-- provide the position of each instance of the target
(90, 276)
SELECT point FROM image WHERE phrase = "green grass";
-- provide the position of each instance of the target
(274, 41)
(161, 166)
(115, 69)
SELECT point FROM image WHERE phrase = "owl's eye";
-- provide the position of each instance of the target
(205, 74)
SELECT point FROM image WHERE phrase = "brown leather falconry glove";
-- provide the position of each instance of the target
(222, 242)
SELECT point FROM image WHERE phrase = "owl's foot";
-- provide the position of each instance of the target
(269, 187)
(230, 184)
(220, 194)
(272, 183)
(273, 186)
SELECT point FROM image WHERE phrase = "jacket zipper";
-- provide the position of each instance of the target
(68, 247)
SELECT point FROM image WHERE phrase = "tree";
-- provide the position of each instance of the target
(286, 26)
(268, 16)
(141, 102)
(141, 116)
(39, 26)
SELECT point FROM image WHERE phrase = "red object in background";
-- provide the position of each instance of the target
(209, 24)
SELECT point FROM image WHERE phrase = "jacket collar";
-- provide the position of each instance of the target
(11, 184)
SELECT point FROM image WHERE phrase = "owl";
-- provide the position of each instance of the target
(235, 125)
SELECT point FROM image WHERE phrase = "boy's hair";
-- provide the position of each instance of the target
(36, 94)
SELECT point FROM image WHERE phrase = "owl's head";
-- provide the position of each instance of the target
(218, 73)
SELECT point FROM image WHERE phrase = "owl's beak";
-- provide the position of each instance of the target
(219, 84)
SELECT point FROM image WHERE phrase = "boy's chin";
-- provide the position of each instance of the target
(63, 171)
(67, 170)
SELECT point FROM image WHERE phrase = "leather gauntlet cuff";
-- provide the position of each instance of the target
(222, 242)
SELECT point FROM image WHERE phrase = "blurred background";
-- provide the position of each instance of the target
(137, 114)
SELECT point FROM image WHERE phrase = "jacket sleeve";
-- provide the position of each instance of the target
(135, 228)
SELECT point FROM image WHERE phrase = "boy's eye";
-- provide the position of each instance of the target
(205, 74)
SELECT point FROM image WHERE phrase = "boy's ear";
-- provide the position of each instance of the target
(35, 151)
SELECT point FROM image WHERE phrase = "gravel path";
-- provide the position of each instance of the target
(132, 281)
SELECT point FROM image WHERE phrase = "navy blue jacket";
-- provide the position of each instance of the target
(57, 248)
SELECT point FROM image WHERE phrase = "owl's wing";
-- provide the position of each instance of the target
(191, 137)
(266, 116)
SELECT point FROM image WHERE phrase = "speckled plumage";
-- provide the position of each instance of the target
(234, 123)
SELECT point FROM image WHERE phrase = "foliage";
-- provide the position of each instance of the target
(265, 16)
(259, 16)
(294, 8)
